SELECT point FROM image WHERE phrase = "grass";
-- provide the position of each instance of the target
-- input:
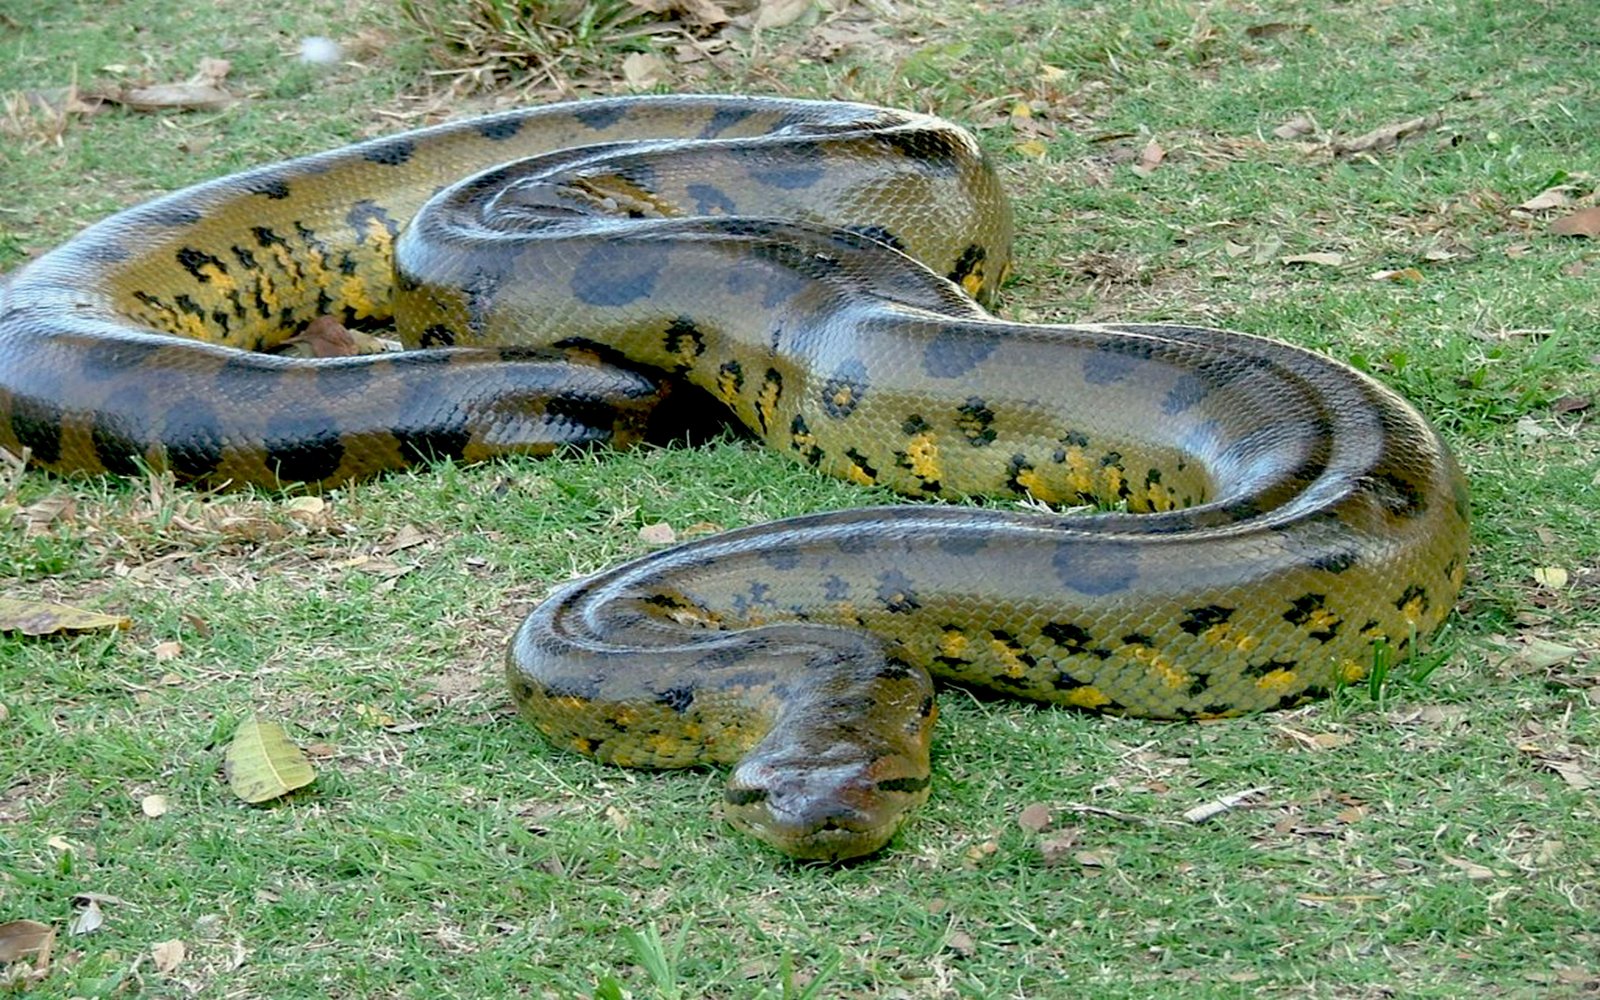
(1433, 841)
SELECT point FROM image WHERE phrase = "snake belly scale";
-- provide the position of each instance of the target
(1268, 515)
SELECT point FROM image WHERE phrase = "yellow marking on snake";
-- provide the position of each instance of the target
(553, 298)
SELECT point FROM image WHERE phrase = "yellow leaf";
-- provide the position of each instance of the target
(1553, 577)
(1033, 149)
(263, 764)
(45, 618)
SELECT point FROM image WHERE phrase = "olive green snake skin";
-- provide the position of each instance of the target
(1267, 516)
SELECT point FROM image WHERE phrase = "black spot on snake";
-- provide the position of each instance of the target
(836, 588)
(1187, 390)
(602, 115)
(896, 593)
(615, 274)
(934, 154)
(437, 335)
(302, 445)
(36, 425)
(364, 212)
(173, 215)
(793, 167)
(195, 439)
(195, 262)
(966, 540)
(956, 350)
(1108, 366)
(268, 185)
(1106, 567)
(879, 234)
(500, 128)
(976, 421)
(389, 153)
(780, 558)
(723, 119)
(116, 433)
(1198, 620)
(845, 388)
(971, 259)
(710, 200)
(103, 251)
(678, 699)
(906, 785)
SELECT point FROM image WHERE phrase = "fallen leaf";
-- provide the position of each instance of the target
(1571, 404)
(407, 537)
(1387, 135)
(1474, 870)
(1233, 249)
(262, 763)
(1584, 222)
(1295, 127)
(1553, 577)
(1542, 654)
(1556, 197)
(643, 70)
(1216, 807)
(1320, 259)
(20, 939)
(780, 13)
(1099, 858)
(169, 650)
(47, 618)
(153, 805)
(1057, 848)
(87, 920)
(168, 955)
(1033, 149)
(1571, 772)
(1149, 159)
(961, 943)
(323, 337)
(659, 533)
(180, 96)
(1404, 275)
(1035, 818)
(1529, 429)
(1272, 29)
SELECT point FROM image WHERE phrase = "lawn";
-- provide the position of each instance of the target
(1433, 835)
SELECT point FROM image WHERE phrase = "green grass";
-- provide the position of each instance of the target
(1418, 844)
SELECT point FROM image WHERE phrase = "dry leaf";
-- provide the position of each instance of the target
(87, 920)
(183, 96)
(324, 337)
(1272, 29)
(659, 533)
(407, 537)
(1584, 222)
(153, 805)
(1033, 149)
(1295, 127)
(643, 70)
(1207, 810)
(1320, 259)
(780, 13)
(168, 955)
(1149, 159)
(1553, 577)
(262, 763)
(21, 939)
(1387, 136)
(1574, 775)
(1556, 197)
(961, 943)
(1404, 275)
(46, 618)
(1035, 818)
(169, 650)
(1474, 870)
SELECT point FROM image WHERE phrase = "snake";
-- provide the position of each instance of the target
(1264, 525)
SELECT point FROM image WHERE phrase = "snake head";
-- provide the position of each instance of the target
(844, 802)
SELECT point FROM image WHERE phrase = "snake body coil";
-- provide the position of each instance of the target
(1274, 514)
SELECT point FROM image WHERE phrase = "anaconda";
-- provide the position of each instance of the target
(1268, 516)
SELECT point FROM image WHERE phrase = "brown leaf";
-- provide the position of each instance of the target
(1559, 196)
(21, 938)
(1149, 159)
(1035, 818)
(1295, 127)
(1387, 136)
(1320, 259)
(1572, 404)
(659, 533)
(961, 943)
(1058, 847)
(182, 96)
(780, 13)
(45, 618)
(1272, 29)
(1401, 276)
(324, 337)
(1584, 222)
(643, 70)
(168, 955)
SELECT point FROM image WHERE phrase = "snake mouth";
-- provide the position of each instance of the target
(821, 813)
(831, 839)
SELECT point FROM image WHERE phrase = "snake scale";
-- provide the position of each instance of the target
(1267, 517)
